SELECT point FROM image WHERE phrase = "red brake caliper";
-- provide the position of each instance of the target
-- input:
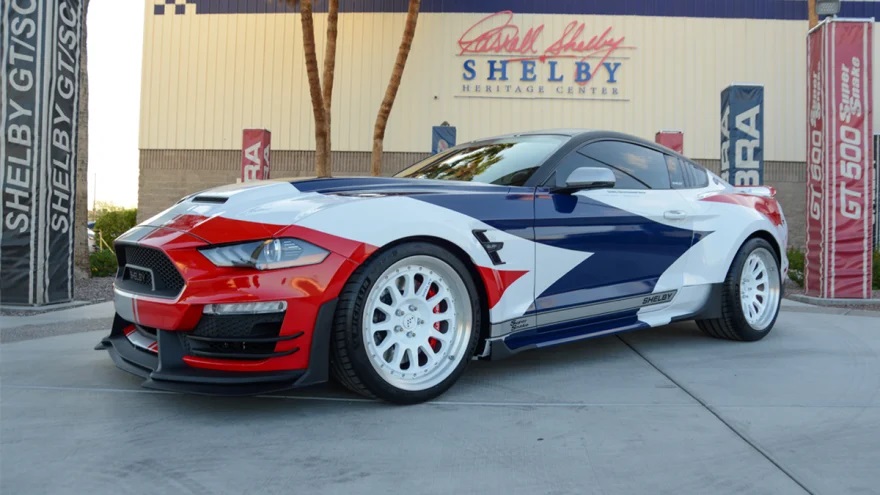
(434, 343)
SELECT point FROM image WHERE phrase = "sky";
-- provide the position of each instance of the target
(115, 47)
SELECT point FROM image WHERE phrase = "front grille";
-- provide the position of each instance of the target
(147, 270)
(239, 336)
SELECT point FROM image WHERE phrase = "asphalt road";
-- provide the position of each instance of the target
(654, 412)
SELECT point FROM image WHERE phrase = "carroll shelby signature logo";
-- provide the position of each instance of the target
(497, 34)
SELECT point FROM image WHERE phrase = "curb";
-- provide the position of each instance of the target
(89, 311)
(819, 301)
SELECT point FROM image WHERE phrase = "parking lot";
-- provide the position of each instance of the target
(662, 411)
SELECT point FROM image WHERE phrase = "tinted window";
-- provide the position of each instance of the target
(642, 164)
(676, 172)
(697, 174)
(576, 159)
(505, 162)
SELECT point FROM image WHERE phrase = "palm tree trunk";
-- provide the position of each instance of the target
(81, 201)
(330, 71)
(409, 30)
(321, 148)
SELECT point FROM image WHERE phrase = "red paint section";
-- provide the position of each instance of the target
(220, 230)
(184, 222)
(766, 206)
(497, 281)
(305, 288)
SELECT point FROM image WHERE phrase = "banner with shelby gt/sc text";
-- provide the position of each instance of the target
(40, 88)
(840, 180)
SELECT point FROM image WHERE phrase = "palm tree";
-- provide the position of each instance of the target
(321, 98)
(409, 30)
(81, 200)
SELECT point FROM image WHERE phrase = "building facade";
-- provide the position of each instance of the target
(212, 68)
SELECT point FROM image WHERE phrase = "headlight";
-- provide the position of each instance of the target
(267, 255)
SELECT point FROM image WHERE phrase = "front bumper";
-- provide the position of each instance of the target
(163, 367)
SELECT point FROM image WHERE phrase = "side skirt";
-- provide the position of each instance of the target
(501, 347)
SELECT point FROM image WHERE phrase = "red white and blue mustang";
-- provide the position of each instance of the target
(392, 285)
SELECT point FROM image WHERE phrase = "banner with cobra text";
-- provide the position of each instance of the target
(255, 150)
(742, 135)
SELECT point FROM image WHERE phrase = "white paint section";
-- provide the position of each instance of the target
(140, 340)
(125, 305)
(252, 202)
(688, 300)
(411, 217)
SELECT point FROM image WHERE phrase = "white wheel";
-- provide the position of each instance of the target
(407, 324)
(751, 295)
(759, 289)
(417, 323)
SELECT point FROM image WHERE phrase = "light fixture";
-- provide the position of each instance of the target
(827, 7)
(250, 308)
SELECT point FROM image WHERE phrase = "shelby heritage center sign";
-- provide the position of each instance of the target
(840, 178)
(501, 58)
(40, 85)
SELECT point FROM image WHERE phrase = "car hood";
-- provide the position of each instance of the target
(264, 208)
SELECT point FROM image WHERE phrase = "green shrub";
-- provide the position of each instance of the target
(103, 263)
(796, 265)
(876, 275)
(112, 224)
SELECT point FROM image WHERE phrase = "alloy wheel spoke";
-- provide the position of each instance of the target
(422, 292)
(413, 355)
(386, 344)
(429, 354)
(438, 297)
(439, 317)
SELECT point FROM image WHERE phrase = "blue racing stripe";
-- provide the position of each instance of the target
(576, 329)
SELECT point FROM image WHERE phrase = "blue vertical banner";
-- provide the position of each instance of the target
(742, 135)
(442, 138)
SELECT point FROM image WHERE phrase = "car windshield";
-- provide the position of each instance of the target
(508, 162)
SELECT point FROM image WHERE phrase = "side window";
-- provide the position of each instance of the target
(575, 159)
(643, 165)
(698, 176)
(676, 172)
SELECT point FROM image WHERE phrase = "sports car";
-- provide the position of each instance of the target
(392, 285)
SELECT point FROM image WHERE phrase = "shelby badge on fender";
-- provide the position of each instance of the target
(393, 285)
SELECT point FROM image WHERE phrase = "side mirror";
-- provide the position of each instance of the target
(583, 178)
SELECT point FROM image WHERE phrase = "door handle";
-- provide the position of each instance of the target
(674, 215)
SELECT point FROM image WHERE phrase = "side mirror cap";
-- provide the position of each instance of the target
(583, 178)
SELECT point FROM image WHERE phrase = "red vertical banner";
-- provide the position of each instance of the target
(255, 150)
(673, 140)
(840, 187)
(816, 144)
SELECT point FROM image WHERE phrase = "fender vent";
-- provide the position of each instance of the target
(209, 199)
(491, 247)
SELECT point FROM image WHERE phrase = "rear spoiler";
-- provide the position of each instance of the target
(765, 191)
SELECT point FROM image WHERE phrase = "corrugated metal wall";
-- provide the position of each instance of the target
(208, 76)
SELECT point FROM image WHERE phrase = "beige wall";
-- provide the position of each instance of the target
(206, 77)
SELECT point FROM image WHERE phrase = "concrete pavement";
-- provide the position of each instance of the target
(656, 411)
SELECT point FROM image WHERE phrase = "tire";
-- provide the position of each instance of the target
(381, 343)
(740, 291)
